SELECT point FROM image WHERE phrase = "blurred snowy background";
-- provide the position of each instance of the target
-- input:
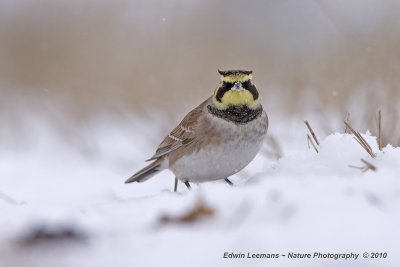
(89, 88)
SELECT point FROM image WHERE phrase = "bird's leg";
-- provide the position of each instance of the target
(188, 185)
(176, 184)
(228, 182)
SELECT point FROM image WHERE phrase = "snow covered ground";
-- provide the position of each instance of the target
(302, 203)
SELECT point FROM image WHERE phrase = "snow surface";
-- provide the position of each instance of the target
(304, 202)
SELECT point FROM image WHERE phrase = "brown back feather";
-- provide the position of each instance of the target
(184, 134)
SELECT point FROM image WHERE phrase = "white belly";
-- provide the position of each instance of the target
(223, 160)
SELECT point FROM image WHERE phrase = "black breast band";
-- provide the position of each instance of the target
(237, 114)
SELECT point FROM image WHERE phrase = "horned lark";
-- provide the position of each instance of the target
(216, 139)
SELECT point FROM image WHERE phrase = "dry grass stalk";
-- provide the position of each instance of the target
(379, 137)
(361, 140)
(312, 132)
(347, 119)
(367, 166)
(309, 140)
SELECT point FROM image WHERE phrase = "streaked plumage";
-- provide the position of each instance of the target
(216, 139)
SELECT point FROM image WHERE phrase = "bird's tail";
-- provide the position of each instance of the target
(147, 172)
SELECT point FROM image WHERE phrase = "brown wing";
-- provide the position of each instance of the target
(183, 134)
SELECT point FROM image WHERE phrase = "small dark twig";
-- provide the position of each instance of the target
(312, 132)
(379, 138)
(309, 140)
(361, 140)
(367, 166)
(347, 119)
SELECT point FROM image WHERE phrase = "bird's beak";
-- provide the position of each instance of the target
(237, 86)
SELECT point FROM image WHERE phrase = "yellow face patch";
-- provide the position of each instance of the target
(240, 78)
(236, 98)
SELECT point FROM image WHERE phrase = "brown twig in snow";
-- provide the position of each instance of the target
(347, 119)
(361, 140)
(379, 137)
(309, 140)
(312, 132)
(367, 166)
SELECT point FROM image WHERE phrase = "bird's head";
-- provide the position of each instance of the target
(236, 89)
